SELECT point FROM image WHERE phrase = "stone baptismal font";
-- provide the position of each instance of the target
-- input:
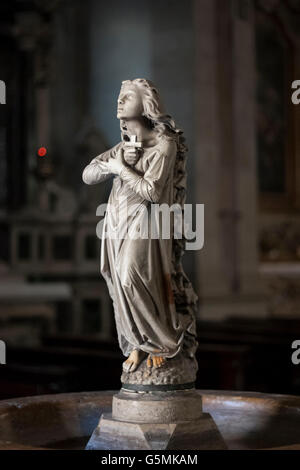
(158, 406)
(154, 301)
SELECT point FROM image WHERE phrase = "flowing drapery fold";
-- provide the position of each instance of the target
(139, 271)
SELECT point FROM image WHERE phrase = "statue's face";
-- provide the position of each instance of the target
(130, 105)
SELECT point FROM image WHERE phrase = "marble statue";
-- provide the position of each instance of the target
(154, 301)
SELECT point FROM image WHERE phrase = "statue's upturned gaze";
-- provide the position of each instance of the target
(154, 302)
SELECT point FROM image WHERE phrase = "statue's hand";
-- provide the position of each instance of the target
(131, 155)
(115, 165)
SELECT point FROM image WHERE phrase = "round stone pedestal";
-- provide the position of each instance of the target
(156, 421)
(157, 407)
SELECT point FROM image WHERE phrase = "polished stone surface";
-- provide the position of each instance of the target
(66, 421)
(198, 434)
(157, 421)
(157, 407)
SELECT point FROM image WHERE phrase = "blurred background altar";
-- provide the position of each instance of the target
(225, 69)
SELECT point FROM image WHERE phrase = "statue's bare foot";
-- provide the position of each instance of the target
(135, 358)
(155, 361)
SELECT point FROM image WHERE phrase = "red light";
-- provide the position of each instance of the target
(42, 151)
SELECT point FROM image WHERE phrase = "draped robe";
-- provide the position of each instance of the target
(138, 270)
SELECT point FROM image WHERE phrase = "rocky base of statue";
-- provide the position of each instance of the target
(156, 421)
(176, 373)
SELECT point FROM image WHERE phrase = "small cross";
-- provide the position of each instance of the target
(133, 142)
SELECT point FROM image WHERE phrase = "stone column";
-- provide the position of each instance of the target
(227, 267)
(244, 149)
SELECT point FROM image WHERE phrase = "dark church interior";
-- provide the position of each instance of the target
(225, 69)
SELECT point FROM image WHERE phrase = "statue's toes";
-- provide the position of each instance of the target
(133, 366)
(162, 361)
(155, 361)
(127, 365)
(149, 362)
(158, 361)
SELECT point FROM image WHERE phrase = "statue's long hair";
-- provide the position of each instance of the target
(163, 124)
